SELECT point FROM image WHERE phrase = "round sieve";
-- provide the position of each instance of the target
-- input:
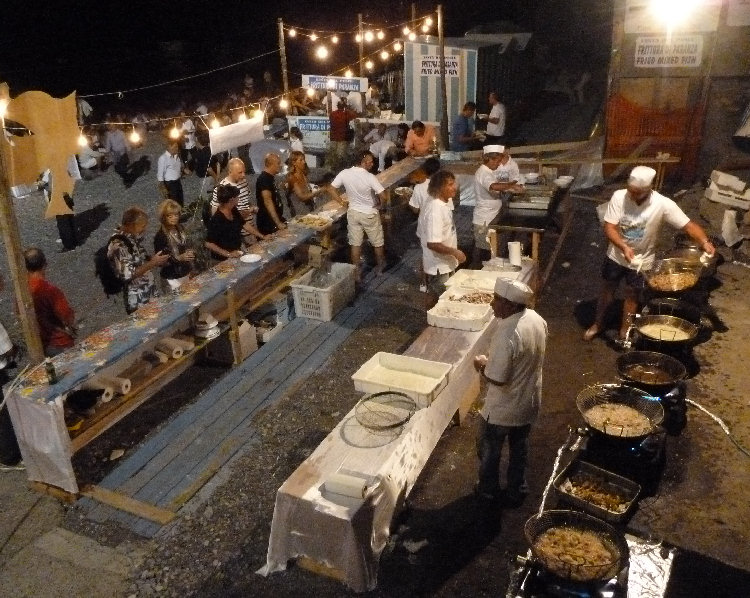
(384, 410)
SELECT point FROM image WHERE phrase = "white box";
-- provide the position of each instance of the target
(479, 280)
(726, 197)
(459, 316)
(324, 303)
(419, 379)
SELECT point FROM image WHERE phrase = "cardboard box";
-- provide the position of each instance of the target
(220, 349)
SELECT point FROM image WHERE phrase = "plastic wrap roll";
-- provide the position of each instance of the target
(171, 347)
(120, 385)
(187, 345)
(347, 485)
(108, 390)
(162, 357)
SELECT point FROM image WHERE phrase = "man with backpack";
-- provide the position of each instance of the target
(130, 263)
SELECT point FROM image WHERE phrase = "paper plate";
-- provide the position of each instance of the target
(250, 258)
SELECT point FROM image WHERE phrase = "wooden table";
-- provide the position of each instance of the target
(343, 537)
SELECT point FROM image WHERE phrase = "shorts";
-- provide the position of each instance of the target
(480, 236)
(614, 272)
(359, 224)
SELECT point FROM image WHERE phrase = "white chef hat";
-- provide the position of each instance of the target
(642, 176)
(494, 149)
(513, 290)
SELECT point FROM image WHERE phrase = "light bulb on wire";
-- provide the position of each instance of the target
(412, 36)
(283, 103)
(82, 141)
(134, 136)
(406, 31)
(384, 55)
(425, 28)
(292, 32)
(380, 35)
(369, 65)
(313, 36)
(321, 52)
(369, 36)
(174, 132)
(242, 117)
(215, 124)
(358, 38)
(428, 21)
(348, 73)
(310, 92)
(397, 46)
(335, 39)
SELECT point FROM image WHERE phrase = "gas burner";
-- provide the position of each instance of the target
(528, 579)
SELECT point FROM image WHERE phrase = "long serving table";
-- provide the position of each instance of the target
(343, 537)
(37, 411)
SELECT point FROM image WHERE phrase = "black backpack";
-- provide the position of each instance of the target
(111, 282)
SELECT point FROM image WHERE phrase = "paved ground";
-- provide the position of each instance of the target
(446, 544)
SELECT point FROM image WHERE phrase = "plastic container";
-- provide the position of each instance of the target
(479, 280)
(459, 316)
(323, 303)
(419, 379)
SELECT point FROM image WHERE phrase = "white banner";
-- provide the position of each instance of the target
(429, 66)
(683, 51)
(234, 135)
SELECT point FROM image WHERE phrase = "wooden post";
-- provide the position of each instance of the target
(282, 53)
(361, 33)
(12, 241)
(443, 88)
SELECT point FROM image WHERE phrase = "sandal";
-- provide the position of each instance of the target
(591, 333)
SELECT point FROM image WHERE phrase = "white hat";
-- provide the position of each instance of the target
(642, 176)
(513, 290)
(494, 149)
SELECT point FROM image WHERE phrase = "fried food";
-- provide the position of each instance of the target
(189, 287)
(99, 340)
(664, 332)
(475, 297)
(618, 420)
(674, 281)
(573, 553)
(147, 312)
(597, 491)
(313, 221)
(224, 267)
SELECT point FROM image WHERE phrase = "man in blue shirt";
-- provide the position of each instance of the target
(462, 132)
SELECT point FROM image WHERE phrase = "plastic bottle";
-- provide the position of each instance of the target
(49, 367)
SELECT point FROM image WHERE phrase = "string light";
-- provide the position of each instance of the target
(425, 28)
(406, 31)
(412, 36)
(369, 36)
(397, 46)
(369, 65)
(283, 103)
(292, 32)
(428, 21)
(384, 55)
(215, 124)
(335, 39)
(310, 92)
(174, 133)
(313, 36)
(134, 136)
(321, 52)
(381, 35)
(358, 38)
(331, 84)
(82, 141)
(242, 117)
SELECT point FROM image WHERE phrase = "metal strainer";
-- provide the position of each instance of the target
(384, 410)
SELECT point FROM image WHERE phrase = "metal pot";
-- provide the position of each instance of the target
(597, 395)
(669, 306)
(562, 564)
(668, 331)
(672, 275)
(692, 257)
(654, 372)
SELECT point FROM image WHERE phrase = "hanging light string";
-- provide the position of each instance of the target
(122, 92)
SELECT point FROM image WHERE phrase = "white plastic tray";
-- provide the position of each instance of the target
(419, 379)
(479, 280)
(459, 316)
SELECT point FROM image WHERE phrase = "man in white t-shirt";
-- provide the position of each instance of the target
(364, 194)
(631, 224)
(495, 121)
(497, 175)
(440, 253)
(512, 371)
(187, 130)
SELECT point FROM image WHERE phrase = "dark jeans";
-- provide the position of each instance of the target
(174, 190)
(489, 448)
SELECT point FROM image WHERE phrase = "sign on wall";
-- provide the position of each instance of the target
(316, 131)
(683, 51)
(430, 66)
(335, 83)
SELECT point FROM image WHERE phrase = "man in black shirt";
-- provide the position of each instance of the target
(270, 208)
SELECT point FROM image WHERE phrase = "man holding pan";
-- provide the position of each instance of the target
(512, 377)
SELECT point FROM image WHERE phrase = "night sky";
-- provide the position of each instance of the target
(106, 45)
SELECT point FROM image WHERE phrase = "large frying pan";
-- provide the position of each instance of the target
(652, 371)
(597, 399)
(571, 565)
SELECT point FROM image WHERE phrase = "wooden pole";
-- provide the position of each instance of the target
(361, 32)
(282, 53)
(12, 241)
(443, 88)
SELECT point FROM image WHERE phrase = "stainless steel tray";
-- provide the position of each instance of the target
(581, 470)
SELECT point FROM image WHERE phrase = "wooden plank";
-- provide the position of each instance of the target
(317, 568)
(634, 155)
(54, 492)
(128, 504)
